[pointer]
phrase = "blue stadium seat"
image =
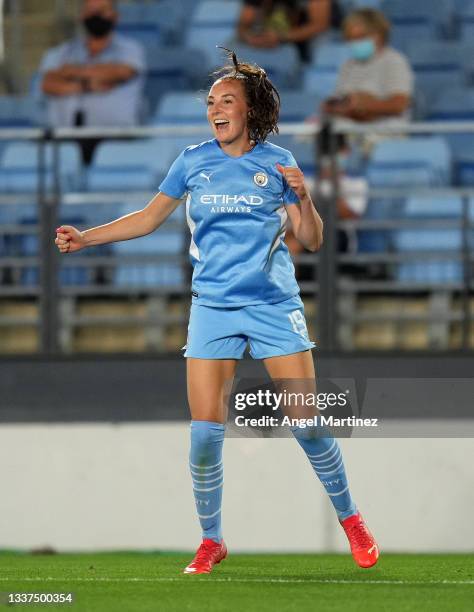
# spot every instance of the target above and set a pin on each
(19, 163)
(404, 32)
(378, 240)
(166, 17)
(349, 5)
(417, 21)
(465, 164)
(207, 39)
(453, 104)
(408, 12)
(298, 105)
(174, 69)
(441, 206)
(145, 33)
(282, 64)
(155, 274)
(330, 55)
(320, 77)
(216, 13)
(465, 20)
(320, 81)
(438, 65)
(430, 272)
(410, 162)
(19, 111)
(457, 104)
(303, 151)
(419, 239)
(129, 166)
(182, 107)
(28, 246)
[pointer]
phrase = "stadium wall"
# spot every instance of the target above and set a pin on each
(126, 486)
(93, 456)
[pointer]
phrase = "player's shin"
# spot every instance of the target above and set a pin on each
(205, 462)
(325, 456)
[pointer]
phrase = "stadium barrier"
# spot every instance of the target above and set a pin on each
(330, 293)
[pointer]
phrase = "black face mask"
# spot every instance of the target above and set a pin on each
(98, 26)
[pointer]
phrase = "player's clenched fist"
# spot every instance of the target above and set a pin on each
(295, 179)
(69, 239)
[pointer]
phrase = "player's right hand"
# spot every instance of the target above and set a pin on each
(69, 239)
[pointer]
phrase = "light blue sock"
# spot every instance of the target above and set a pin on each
(205, 463)
(325, 456)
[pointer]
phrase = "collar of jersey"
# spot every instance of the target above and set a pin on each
(240, 156)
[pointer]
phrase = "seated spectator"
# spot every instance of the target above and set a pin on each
(377, 83)
(269, 23)
(95, 79)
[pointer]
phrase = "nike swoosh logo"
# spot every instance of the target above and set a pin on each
(372, 548)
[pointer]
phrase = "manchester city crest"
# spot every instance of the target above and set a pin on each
(260, 179)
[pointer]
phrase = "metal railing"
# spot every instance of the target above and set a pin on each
(326, 287)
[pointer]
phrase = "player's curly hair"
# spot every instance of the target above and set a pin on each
(263, 98)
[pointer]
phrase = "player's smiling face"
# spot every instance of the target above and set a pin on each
(227, 111)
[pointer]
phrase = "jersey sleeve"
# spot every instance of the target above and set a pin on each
(175, 183)
(289, 196)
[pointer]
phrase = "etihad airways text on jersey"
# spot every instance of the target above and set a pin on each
(250, 200)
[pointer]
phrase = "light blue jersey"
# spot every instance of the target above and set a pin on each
(236, 213)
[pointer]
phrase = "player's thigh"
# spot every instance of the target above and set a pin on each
(207, 380)
(294, 377)
(297, 365)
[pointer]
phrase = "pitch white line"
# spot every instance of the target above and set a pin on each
(262, 580)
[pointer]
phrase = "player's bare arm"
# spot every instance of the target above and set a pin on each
(140, 223)
(305, 220)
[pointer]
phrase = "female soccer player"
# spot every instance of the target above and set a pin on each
(241, 191)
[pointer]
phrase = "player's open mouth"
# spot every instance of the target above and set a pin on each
(221, 124)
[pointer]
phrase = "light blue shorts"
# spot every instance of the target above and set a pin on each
(270, 330)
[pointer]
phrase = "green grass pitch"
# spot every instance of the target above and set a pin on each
(145, 582)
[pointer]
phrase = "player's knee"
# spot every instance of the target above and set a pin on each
(206, 433)
(311, 432)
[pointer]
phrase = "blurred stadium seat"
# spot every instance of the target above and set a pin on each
(155, 274)
(281, 64)
(173, 69)
(19, 166)
(128, 166)
(216, 13)
(18, 111)
(438, 65)
(423, 239)
(298, 105)
(181, 107)
(208, 39)
(402, 162)
(320, 77)
(465, 20)
(28, 246)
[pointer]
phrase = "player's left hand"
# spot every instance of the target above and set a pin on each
(295, 179)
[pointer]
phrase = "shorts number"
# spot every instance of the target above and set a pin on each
(298, 323)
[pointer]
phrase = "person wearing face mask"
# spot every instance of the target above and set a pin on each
(95, 79)
(377, 82)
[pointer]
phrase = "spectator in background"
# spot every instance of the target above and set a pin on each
(377, 83)
(353, 192)
(95, 79)
(269, 23)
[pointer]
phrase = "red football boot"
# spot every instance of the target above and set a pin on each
(208, 554)
(363, 545)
